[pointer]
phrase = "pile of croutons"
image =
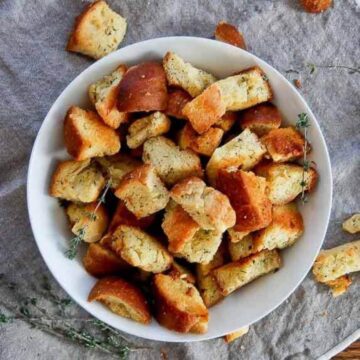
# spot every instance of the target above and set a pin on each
(202, 186)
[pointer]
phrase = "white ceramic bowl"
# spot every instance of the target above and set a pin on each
(49, 224)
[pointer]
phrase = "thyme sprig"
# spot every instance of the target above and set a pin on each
(351, 70)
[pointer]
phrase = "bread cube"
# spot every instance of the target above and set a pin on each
(227, 121)
(229, 34)
(182, 74)
(236, 236)
(352, 225)
(339, 286)
(177, 99)
(77, 181)
(98, 31)
(242, 248)
(142, 191)
(86, 136)
(178, 305)
(177, 270)
(171, 163)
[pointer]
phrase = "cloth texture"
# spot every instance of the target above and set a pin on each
(35, 68)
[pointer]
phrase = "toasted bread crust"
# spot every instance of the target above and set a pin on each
(228, 338)
(177, 99)
(230, 34)
(227, 121)
(315, 6)
(178, 271)
(352, 224)
(339, 286)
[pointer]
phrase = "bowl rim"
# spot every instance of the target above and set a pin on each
(199, 40)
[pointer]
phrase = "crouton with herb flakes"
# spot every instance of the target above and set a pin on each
(340, 285)
(352, 225)
(241, 248)
(177, 99)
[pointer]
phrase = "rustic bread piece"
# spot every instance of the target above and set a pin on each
(228, 33)
(177, 270)
(208, 207)
(236, 236)
(284, 144)
(242, 248)
(238, 92)
(204, 144)
(91, 220)
(140, 249)
(182, 74)
(315, 6)
(77, 181)
(339, 286)
(100, 261)
(333, 263)
(285, 228)
(86, 136)
(244, 151)
(171, 163)
(122, 298)
(103, 95)
(284, 181)
(143, 88)
(147, 127)
(177, 99)
(261, 118)
(117, 166)
(236, 334)
(352, 225)
(227, 121)
(98, 31)
(142, 191)
(232, 276)
(247, 194)
(178, 226)
(178, 305)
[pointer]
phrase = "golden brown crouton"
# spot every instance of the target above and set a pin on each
(241, 248)
(236, 334)
(178, 305)
(315, 6)
(98, 31)
(238, 92)
(142, 191)
(232, 276)
(236, 236)
(177, 270)
(140, 249)
(230, 34)
(91, 220)
(284, 144)
(122, 298)
(333, 263)
(77, 181)
(147, 127)
(247, 194)
(261, 118)
(285, 228)
(285, 181)
(171, 163)
(340, 285)
(227, 121)
(117, 166)
(177, 99)
(244, 151)
(352, 225)
(86, 136)
(182, 74)
(208, 207)
(204, 144)
(103, 95)
(143, 88)
(101, 261)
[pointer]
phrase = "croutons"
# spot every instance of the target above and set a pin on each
(77, 181)
(101, 261)
(242, 248)
(103, 95)
(171, 163)
(86, 221)
(208, 207)
(182, 74)
(285, 228)
(352, 225)
(261, 118)
(122, 298)
(143, 88)
(285, 181)
(142, 191)
(86, 136)
(227, 121)
(140, 249)
(204, 144)
(117, 166)
(147, 127)
(339, 286)
(178, 305)
(284, 144)
(238, 92)
(236, 236)
(98, 31)
(236, 334)
(177, 99)
(232, 276)
(244, 151)
(247, 194)
(334, 263)
(315, 6)
(230, 34)
(177, 270)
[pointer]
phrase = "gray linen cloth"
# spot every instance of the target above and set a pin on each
(35, 68)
